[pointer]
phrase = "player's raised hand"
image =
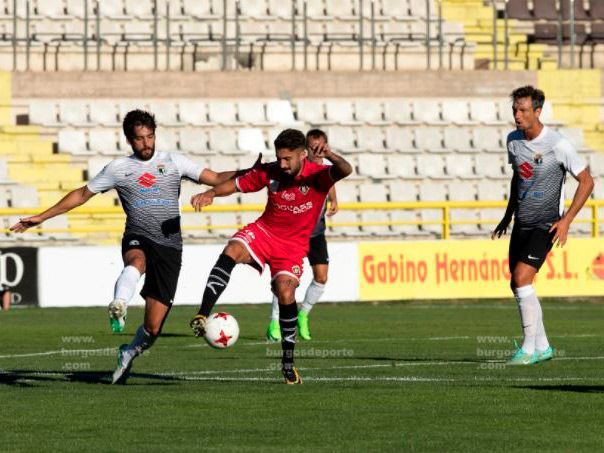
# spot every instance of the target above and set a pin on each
(320, 151)
(501, 229)
(26, 223)
(561, 232)
(201, 200)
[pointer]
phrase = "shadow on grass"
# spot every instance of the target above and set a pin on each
(566, 388)
(415, 359)
(28, 378)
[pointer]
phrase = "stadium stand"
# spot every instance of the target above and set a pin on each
(190, 35)
(450, 149)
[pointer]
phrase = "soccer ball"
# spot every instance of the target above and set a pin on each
(222, 330)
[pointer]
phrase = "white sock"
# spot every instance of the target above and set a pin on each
(313, 294)
(126, 284)
(275, 309)
(541, 342)
(529, 307)
(141, 342)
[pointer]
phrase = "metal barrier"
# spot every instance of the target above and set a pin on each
(445, 208)
(299, 39)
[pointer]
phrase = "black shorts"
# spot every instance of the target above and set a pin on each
(162, 267)
(529, 246)
(317, 250)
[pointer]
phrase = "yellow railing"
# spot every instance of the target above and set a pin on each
(444, 206)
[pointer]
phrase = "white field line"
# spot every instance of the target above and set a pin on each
(65, 352)
(68, 352)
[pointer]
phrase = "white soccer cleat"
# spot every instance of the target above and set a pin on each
(124, 363)
(117, 315)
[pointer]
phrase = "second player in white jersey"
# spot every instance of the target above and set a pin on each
(541, 159)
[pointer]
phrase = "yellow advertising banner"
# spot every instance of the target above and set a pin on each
(473, 269)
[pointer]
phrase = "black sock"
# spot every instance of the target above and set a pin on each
(217, 283)
(288, 320)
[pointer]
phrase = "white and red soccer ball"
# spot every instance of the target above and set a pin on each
(222, 330)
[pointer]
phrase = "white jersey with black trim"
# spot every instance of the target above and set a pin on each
(541, 165)
(149, 192)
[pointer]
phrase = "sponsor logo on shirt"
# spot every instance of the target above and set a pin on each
(154, 202)
(526, 170)
(288, 196)
(146, 180)
(300, 209)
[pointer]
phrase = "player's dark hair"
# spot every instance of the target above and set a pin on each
(316, 133)
(290, 139)
(537, 96)
(137, 118)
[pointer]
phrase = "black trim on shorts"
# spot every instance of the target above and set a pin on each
(162, 267)
(529, 245)
(317, 250)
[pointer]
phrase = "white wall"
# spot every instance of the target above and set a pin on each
(85, 276)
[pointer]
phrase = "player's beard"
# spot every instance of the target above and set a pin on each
(145, 153)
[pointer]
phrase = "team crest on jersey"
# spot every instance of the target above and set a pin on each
(304, 189)
(296, 270)
(538, 158)
(273, 185)
(161, 168)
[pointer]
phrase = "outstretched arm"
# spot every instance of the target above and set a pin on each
(509, 212)
(70, 201)
(584, 189)
(212, 178)
(206, 198)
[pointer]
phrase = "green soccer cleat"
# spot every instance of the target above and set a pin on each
(198, 324)
(522, 358)
(273, 331)
(542, 356)
(124, 363)
(291, 375)
(303, 327)
(117, 315)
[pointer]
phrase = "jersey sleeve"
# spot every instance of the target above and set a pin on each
(254, 180)
(510, 149)
(186, 167)
(105, 180)
(323, 179)
(568, 156)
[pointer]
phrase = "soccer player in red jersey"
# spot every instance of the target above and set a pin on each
(297, 189)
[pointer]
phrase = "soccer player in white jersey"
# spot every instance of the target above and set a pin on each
(148, 185)
(540, 158)
(318, 256)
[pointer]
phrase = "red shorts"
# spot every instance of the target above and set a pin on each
(282, 257)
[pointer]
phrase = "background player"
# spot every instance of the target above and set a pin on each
(297, 189)
(318, 257)
(5, 296)
(148, 184)
(540, 158)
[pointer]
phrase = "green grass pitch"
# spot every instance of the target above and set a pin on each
(377, 377)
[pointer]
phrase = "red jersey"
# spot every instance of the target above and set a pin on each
(294, 204)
